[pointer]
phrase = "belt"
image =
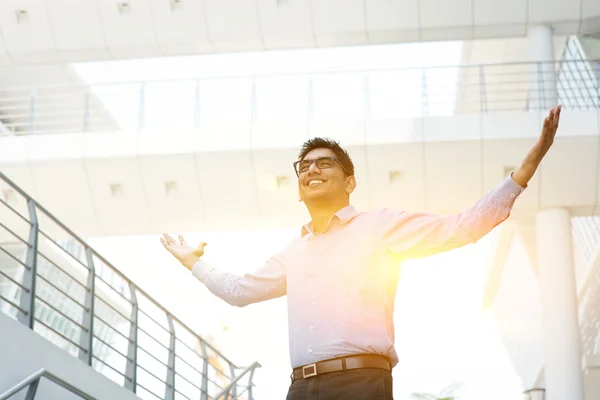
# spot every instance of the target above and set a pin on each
(342, 364)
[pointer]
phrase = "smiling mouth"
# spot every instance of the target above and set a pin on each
(315, 182)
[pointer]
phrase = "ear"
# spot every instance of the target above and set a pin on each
(350, 184)
(300, 196)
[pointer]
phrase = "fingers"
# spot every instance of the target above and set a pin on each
(181, 240)
(557, 115)
(169, 239)
(164, 242)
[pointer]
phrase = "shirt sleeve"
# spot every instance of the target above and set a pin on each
(267, 282)
(414, 235)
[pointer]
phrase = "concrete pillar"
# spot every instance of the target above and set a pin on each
(540, 44)
(562, 344)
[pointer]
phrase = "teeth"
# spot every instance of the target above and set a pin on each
(315, 182)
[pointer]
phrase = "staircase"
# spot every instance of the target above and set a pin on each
(52, 282)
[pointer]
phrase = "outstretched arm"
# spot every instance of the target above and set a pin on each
(534, 156)
(263, 284)
(414, 235)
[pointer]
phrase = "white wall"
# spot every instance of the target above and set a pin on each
(23, 352)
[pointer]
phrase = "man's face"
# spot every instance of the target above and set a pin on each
(327, 183)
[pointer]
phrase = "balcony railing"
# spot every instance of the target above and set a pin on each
(57, 285)
(300, 98)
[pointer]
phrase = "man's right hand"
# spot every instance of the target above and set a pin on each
(182, 251)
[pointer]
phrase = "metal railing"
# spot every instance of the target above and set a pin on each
(586, 232)
(300, 97)
(57, 285)
(32, 382)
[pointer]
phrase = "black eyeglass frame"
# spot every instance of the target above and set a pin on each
(315, 160)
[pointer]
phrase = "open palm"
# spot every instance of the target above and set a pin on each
(183, 252)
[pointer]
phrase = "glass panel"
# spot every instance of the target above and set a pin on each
(339, 96)
(114, 106)
(282, 99)
(170, 104)
(395, 94)
(226, 101)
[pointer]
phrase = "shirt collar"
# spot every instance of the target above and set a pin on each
(343, 216)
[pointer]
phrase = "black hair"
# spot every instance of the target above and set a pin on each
(323, 143)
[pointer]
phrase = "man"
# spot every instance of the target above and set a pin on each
(341, 274)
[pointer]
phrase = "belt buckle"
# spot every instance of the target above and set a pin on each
(308, 375)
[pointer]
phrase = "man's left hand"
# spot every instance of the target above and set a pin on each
(534, 157)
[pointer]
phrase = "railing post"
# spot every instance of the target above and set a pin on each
(170, 384)
(32, 110)
(367, 102)
(29, 277)
(32, 389)
(482, 91)
(197, 110)
(250, 384)
(86, 109)
(424, 98)
(234, 387)
(541, 103)
(204, 385)
(597, 64)
(131, 370)
(311, 108)
(142, 106)
(86, 340)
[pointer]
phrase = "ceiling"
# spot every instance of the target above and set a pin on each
(63, 31)
(106, 184)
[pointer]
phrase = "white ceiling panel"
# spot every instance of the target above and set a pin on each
(286, 24)
(445, 14)
(441, 34)
(339, 22)
(34, 33)
(234, 24)
(62, 188)
(119, 195)
(277, 188)
(493, 12)
(76, 24)
(503, 31)
(228, 187)
(173, 192)
(590, 8)
(453, 175)
(581, 156)
(133, 27)
(387, 15)
(391, 15)
(397, 176)
(550, 11)
(185, 25)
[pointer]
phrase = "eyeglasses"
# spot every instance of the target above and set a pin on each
(302, 166)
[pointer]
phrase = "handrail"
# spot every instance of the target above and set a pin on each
(301, 73)
(33, 381)
(480, 88)
(225, 391)
(94, 343)
(100, 257)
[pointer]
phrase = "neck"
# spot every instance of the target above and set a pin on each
(321, 214)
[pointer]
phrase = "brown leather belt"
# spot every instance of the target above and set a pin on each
(342, 364)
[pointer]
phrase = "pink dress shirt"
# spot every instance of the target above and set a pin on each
(341, 284)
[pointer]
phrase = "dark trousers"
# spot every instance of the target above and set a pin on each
(359, 384)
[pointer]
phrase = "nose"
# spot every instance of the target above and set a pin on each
(313, 167)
